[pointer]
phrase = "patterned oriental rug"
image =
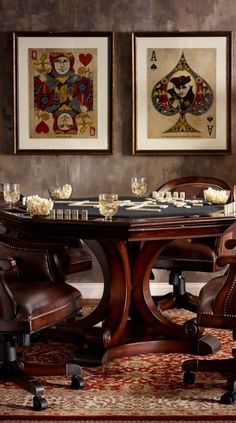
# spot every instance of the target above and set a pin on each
(142, 388)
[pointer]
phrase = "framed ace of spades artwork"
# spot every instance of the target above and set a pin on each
(62, 92)
(181, 93)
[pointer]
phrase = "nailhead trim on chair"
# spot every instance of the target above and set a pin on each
(197, 183)
(206, 313)
(2, 308)
(197, 260)
(229, 294)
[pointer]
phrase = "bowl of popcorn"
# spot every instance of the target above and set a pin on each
(62, 192)
(216, 196)
(38, 206)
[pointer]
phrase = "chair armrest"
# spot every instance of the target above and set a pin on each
(225, 260)
(230, 243)
(7, 264)
(8, 272)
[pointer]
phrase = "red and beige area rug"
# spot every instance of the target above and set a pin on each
(142, 388)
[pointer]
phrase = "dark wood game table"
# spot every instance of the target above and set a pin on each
(127, 321)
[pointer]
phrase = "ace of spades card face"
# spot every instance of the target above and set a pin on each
(181, 90)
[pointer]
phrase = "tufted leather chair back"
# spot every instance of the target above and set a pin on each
(39, 261)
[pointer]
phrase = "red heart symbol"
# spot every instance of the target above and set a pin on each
(42, 127)
(85, 58)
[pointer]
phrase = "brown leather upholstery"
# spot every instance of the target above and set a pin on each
(75, 259)
(217, 309)
(33, 296)
(189, 254)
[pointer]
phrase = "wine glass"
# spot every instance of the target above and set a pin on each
(108, 206)
(234, 193)
(139, 185)
(11, 193)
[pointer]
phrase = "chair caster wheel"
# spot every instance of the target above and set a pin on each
(189, 378)
(77, 382)
(227, 398)
(39, 403)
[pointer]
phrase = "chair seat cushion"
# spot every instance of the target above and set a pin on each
(75, 259)
(40, 304)
(187, 255)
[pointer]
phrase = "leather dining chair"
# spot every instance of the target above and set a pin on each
(188, 254)
(217, 309)
(33, 297)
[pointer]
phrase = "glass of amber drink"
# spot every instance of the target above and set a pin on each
(108, 206)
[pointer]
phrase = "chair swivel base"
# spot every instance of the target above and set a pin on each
(179, 298)
(224, 366)
(186, 301)
(18, 373)
(14, 371)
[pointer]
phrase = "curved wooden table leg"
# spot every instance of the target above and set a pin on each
(105, 324)
(177, 337)
(120, 298)
(116, 300)
(100, 311)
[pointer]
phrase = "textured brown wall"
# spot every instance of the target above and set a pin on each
(92, 174)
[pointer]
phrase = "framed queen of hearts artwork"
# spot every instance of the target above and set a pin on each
(62, 93)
